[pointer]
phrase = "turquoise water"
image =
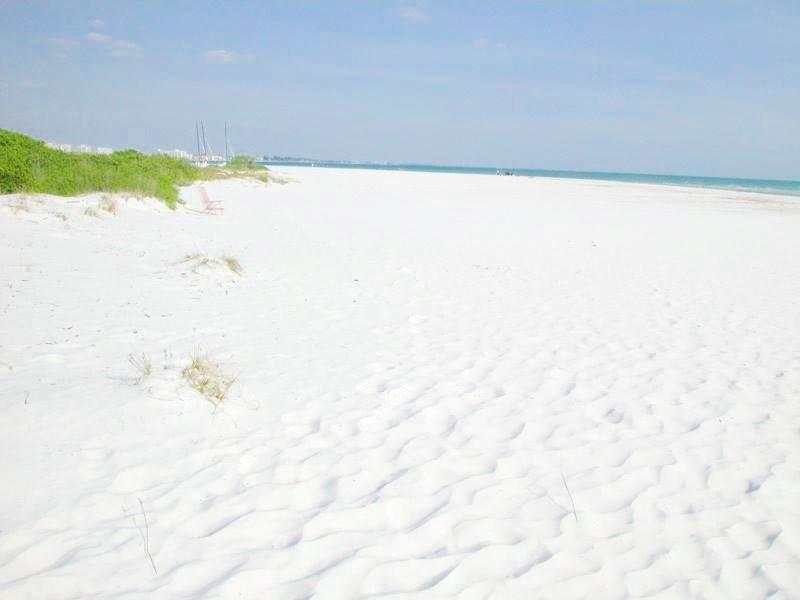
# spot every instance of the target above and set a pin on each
(771, 186)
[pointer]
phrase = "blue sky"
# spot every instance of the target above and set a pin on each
(701, 87)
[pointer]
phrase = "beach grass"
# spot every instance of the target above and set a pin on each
(108, 204)
(233, 264)
(28, 165)
(232, 171)
(143, 366)
(200, 260)
(206, 377)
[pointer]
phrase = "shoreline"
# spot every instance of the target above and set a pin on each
(663, 191)
(737, 185)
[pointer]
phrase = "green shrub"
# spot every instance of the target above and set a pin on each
(27, 165)
(242, 162)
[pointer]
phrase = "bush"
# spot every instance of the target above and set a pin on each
(27, 165)
(242, 162)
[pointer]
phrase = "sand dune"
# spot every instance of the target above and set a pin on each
(447, 386)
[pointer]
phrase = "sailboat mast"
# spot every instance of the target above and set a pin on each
(226, 141)
(197, 134)
(206, 146)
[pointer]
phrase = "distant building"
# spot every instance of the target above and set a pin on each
(62, 147)
(81, 148)
(206, 158)
(181, 154)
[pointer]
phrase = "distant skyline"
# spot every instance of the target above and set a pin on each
(702, 88)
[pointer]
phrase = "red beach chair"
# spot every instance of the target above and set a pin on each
(209, 205)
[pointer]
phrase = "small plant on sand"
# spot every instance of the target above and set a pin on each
(90, 212)
(241, 167)
(280, 179)
(62, 216)
(233, 264)
(201, 261)
(167, 360)
(207, 378)
(143, 366)
(108, 204)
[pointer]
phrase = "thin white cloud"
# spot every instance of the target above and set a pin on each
(98, 38)
(61, 42)
(226, 57)
(122, 49)
(125, 49)
(485, 43)
(414, 11)
(97, 24)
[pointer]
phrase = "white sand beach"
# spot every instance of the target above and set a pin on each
(446, 386)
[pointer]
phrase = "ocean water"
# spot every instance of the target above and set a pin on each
(767, 186)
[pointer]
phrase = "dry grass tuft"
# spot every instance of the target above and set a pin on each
(254, 173)
(201, 260)
(143, 365)
(90, 212)
(280, 179)
(108, 204)
(62, 216)
(233, 264)
(207, 377)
